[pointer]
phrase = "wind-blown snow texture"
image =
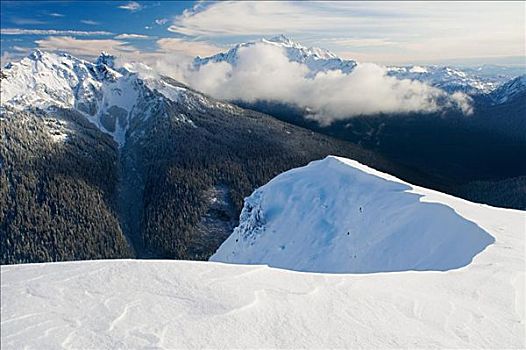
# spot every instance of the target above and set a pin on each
(178, 304)
(337, 215)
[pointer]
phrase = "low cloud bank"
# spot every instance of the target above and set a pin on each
(264, 72)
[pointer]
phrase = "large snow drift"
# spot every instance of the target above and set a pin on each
(337, 215)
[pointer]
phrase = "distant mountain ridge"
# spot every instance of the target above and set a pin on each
(318, 60)
(511, 90)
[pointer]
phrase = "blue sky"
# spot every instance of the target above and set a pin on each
(88, 16)
(382, 32)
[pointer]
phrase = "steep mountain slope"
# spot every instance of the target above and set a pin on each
(58, 179)
(177, 304)
(171, 177)
(337, 215)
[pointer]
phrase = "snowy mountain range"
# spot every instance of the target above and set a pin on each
(318, 60)
(334, 215)
(111, 98)
(446, 78)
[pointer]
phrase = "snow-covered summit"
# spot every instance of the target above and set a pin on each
(337, 215)
(315, 58)
(106, 59)
(315, 52)
(109, 98)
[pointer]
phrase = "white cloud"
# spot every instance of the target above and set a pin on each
(131, 36)
(463, 101)
(55, 14)
(161, 21)
(90, 22)
(131, 6)
(173, 57)
(84, 48)
(412, 30)
(26, 21)
(360, 42)
(239, 18)
(20, 31)
(21, 49)
(263, 72)
(190, 48)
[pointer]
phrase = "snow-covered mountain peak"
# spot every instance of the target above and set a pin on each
(281, 38)
(315, 58)
(41, 59)
(108, 98)
(106, 59)
(36, 54)
(283, 41)
(337, 215)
